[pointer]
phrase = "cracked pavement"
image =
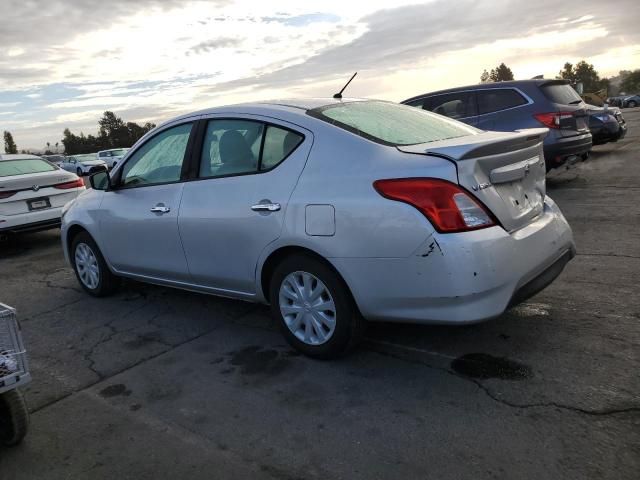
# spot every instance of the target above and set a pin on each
(158, 383)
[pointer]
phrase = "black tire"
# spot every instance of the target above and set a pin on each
(349, 326)
(107, 281)
(79, 171)
(14, 418)
(632, 104)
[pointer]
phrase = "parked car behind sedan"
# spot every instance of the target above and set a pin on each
(83, 164)
(113, 156)
(33, 192)
(509, 106)
(606, 124)
(631, 101)
(55, 159)
(332, 211)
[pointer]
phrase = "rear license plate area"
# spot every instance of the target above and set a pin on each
(39, 203)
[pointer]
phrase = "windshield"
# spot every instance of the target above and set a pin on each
(562, 94)
(9, 168)
(391, 124)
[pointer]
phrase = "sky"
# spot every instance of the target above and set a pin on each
(64, 62)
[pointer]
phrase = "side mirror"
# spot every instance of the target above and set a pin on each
(100, 180)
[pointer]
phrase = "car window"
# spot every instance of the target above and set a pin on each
(561, 93)
(231, 147)
(9, 168)
(453, 105)
(159, 160)
(416, 103)
(278, 144)
(390, 123)
(498, 99)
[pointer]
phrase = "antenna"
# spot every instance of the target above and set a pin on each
(339, 94)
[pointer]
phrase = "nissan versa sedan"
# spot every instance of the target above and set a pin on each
(33, 192)
(331, 211)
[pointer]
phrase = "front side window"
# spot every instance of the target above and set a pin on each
(498, 99)
(159, 160)
(236, 147)
(10, 168)
(391, 124)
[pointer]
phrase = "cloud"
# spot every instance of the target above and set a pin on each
(215, 44)
(302, 20)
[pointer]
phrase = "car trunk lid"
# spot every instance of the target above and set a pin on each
(504, 170)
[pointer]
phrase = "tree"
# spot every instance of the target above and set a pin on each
(501, 73)
(9, 144)
(484, 78)
(631, 83)
(582, 72)
(113, 132)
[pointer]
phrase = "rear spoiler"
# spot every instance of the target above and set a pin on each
(556, 81)
(481, 145)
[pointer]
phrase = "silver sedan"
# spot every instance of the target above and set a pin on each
(331, 211)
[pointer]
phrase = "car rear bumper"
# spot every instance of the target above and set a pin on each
(558, 149)
(32, 221)
(462, 278)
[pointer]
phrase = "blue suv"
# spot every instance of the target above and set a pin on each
(514, 105)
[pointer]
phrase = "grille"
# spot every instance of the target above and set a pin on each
(13, 358)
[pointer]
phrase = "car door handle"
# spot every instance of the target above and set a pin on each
(160, 209)
(265, 207)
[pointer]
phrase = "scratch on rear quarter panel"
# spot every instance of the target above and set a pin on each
(432, 247)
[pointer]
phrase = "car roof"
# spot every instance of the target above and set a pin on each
(294, 106)
(18, 156)
(111, 150)
(538, 82)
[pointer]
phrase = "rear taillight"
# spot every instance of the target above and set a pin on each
(552, 119)
(446, 205)
(7, 194)
(73, 184)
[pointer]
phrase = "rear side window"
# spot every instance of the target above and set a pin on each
(499, 99)
(453, 105)
(10, 168)
(391, 124)
(278, 144)
(562, 94)
(235, 147)
(416, 103)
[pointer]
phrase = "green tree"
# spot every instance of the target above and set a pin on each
(9, 144)
(631, 83)
(582, 72)
(501, 73)
(484, 78)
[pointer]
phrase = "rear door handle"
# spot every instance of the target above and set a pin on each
(160, 209)
(266, 207)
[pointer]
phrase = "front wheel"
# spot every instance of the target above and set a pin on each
(90, 267)
(632, 104)
(14, 418)
(79, 171)
(314, 308)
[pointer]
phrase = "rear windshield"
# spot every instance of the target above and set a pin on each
(9, 168)
(390, 123)
(562, 94)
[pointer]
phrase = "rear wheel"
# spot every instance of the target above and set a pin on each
(314, 308)
(14, 418)
(90, 267)
(632, 104)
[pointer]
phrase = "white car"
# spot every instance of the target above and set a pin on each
(83, 164)
(33, 192)
(113, 156)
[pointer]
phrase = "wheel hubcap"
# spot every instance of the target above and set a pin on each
(87, 266)
(307, 308)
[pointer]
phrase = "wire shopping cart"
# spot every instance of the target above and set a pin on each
(14, 373)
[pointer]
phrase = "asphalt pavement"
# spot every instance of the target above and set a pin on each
(156, 383)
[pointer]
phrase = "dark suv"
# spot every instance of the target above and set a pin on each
(508, 106)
